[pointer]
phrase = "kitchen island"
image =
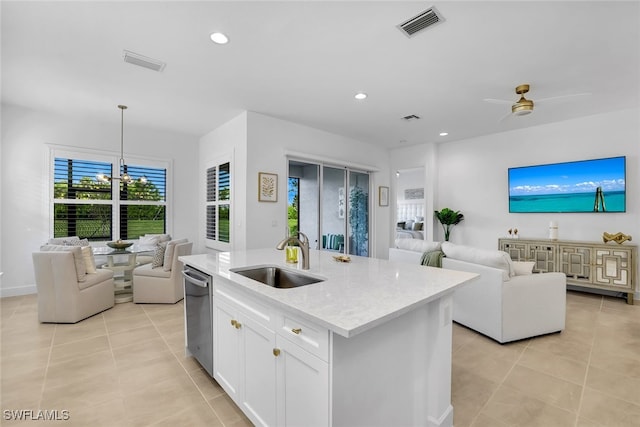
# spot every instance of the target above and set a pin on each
(370, 344)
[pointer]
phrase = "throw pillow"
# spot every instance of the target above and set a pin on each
(158, 255)
(417, 226)
(400, 225)
(149, 240)
(89, 261)
(78, 260)
(168, 255)
(523, 268)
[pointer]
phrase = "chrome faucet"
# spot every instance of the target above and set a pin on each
(304, 247)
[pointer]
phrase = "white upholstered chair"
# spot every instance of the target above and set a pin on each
(156, 285)
(65, 295)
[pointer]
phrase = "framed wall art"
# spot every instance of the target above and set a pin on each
(267, 187)
(383, 196)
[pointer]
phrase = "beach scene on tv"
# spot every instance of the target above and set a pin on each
(581, 186)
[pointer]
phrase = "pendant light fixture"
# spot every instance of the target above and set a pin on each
(125, 178)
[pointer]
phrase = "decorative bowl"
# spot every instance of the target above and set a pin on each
(119, 244)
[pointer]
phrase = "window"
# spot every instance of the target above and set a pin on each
(86, 207)
(218, 206)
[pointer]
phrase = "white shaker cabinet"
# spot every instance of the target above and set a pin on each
(302, 385)
(244, 363)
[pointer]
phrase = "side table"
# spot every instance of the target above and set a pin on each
(122, 275)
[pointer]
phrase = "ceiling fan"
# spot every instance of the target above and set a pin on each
(525, 106)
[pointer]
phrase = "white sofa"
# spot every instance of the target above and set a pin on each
(507, 303)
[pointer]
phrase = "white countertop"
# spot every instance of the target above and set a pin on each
(355, 296)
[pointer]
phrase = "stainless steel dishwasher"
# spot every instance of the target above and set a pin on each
(198, 308)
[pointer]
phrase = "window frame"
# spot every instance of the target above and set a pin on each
(92, 155)
(215, 243)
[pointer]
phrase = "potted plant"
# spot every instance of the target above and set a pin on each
(448, 218)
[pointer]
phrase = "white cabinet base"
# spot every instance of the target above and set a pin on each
(396, 374)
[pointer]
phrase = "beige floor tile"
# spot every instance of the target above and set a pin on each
(563, 346)
(469, 393)
(169, 327)
(25, 363)
(78, 349)
(87, 328)
(515, 408)
(584, 298)
(160, 400)
(544, 387)
(226, 410)
(134, 321)
(79, 370)
(123, 310)
(189, 363)
(175, 341)
(484, 420)
(151, 371)
(557, 366)
(617, 385)
(139, 353)
(133, 336)
(198, 414)
(491, 366)
(605, 410)
(613, 359)
(107, 414)
(208, 387)
(77, 395)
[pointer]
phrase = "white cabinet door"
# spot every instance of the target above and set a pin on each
(226, 360)
(303, 386)
(259, 373)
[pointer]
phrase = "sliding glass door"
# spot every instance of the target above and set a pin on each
(330, 205)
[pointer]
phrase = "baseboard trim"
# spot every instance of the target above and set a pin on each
(21, 290)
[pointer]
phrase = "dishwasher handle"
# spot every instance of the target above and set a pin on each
(198, 281)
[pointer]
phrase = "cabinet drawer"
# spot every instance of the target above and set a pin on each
(258, 311)
(305, 334)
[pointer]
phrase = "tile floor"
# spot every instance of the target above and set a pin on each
(125, 367)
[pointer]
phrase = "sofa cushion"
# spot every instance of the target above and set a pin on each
(89, 261)
(150, 271)
(78, 259)
(487, 257)
(417, 245)
(168, 255)
(523, 268)
(95, 278)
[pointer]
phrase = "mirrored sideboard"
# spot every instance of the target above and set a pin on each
(595, 265)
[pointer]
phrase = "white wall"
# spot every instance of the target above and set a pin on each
(24, 179)
(472, 177)
(267, 141)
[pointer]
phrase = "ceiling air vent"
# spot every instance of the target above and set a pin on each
(411, 117)
(421, 21)
(142, 61)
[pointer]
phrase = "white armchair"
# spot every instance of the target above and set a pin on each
(68, 295)
(161, 284)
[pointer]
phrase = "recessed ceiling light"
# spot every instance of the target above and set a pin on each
(444, 133)
(219, 38)
(361, 95)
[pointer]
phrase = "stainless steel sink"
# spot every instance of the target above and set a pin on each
(277, 277)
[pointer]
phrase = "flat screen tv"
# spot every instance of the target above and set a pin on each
(582, 186)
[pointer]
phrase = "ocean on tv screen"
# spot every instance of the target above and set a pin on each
(572, 202)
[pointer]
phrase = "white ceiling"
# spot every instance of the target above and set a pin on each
(304, 61)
